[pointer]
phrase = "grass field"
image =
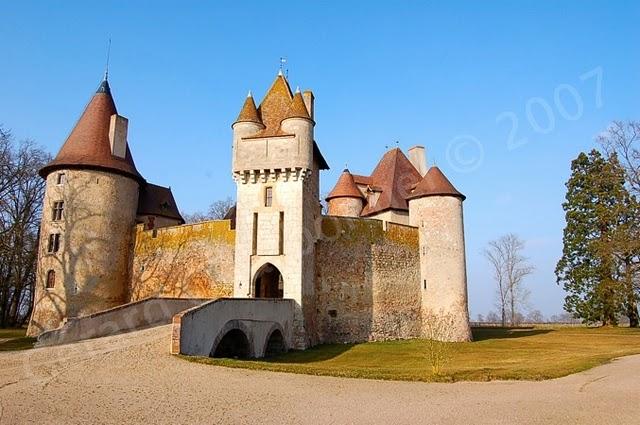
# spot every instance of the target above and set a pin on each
(15, 339)
(496, 353)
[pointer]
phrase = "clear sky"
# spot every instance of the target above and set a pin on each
(503, 94)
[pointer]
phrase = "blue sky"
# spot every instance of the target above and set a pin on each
(502, 94)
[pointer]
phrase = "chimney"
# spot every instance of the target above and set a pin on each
(308, 101)
(118, 135)
(418, 159)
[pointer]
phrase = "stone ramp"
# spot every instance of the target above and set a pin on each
(235, 327)
(127, 317)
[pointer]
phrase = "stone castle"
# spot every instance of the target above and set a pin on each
(387, 261)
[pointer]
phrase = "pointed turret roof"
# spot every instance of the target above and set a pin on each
(298, 109)
(88, 143)
(435, 183)
(345, 187)
(249, 112)
(393, 177)
(275, 106)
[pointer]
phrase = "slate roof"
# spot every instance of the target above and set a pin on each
(158, 201)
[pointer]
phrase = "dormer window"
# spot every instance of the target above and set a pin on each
(58, 208)
(268, 196)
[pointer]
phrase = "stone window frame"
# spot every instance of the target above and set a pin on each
(54, 243)
(57, 211)
(50, 282)
(268, 196)
(61, 178)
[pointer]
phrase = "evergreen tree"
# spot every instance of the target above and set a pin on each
(598, 268)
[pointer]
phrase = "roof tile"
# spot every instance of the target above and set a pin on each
(88, 144)
(435, 183)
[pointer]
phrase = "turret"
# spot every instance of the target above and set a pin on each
(298, 121)
(345, 199)
(89, 212)
(248, 122)
(435, 207)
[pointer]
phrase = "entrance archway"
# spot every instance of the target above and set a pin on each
(234, 344)
(268, 282)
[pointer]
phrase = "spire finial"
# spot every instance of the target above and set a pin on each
(283, 60)
(106, 68)
(297, 89)
(249, 94)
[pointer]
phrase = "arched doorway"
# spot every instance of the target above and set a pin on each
(234, 344)
(275, 344)
(268, 282)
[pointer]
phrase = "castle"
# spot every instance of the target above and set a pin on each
(387, 261)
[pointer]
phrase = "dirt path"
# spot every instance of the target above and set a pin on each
(132, 379)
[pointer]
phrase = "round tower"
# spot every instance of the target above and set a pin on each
(345, 200)
(435, 207)
(88, 215)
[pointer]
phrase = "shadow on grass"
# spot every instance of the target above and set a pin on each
(483, 334)
(315, 354)
(16, 344)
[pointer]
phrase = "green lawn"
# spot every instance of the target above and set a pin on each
(16, 340)
(529, 354)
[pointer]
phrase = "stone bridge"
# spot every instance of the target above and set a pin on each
(234, 327)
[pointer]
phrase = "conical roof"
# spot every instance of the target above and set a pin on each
(435, 183)
(88, 144)
(345, 187)
(298, 109)
(249, 112)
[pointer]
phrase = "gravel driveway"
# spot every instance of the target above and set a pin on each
(131, 378)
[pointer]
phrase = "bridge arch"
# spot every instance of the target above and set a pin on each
(235, 340)
(275, 342)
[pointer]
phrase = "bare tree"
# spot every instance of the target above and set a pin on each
(438, 331)
(623, 140)
(510, 268)
(21, 191)
(217, 211)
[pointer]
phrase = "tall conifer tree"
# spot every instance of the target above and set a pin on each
(600, 251)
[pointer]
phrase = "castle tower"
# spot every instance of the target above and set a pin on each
(435, 207)
(276, 165)
(88, 215)
(345, 199)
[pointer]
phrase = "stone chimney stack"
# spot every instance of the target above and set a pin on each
(308, 102)
(118, 128)
(418, 159)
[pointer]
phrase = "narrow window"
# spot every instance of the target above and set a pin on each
(281, 232)
(425, 283)
(254, 241)
(54, 243)
(51, 279)
(61, 178)
(58, 208)
(268, 196)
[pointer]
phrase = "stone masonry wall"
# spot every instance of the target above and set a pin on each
(188, 261)
(367, 281)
